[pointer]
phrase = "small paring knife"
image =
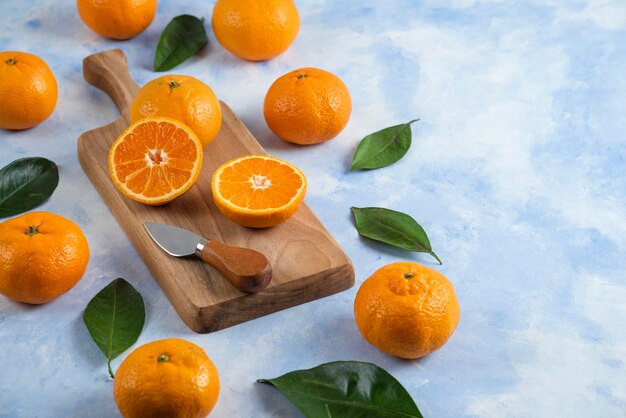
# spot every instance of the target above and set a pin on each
(248, 270)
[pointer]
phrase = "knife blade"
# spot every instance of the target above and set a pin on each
(248, 270)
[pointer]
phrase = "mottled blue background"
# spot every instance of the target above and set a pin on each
(516, 172)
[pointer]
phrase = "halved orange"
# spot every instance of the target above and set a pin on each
(155, 160)
(258, 191)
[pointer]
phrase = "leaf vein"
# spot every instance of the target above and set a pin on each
(112, 323)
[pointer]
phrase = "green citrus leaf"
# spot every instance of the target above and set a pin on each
(346, 389)
(180, 40)
(393, 228)
(383, 148)
(25, 184)
(115, 318)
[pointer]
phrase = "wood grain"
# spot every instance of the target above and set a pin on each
(306, 260)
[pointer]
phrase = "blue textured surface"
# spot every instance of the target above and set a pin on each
(516, 172)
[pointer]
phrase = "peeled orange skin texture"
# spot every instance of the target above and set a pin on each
(170, 378)
(155, 160)
(39, 265)
(255, 30)
(407, 310)
(28, 90)
(183, 98)
(307, 106)
(258, 191)
(117, 19)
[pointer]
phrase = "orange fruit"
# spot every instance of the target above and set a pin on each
(406, 310)
(255, 30)
(170, 378)
(258, 191)
(155, 160)
(42, 256)
(183, 98)
(28, 90)
(117, 19)
(307, 106)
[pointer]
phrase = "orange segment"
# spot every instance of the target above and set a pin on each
(155, 160)
(257, 190)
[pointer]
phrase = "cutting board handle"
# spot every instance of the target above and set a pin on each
(108, 70)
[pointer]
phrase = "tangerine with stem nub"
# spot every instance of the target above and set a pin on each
(166, 378)
(307, 106)
(42, 256)
(28, 90)
(406, 309)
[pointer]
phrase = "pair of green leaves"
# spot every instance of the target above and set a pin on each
(25, 184)
(377, 150)
(115, 318)
(347, 389)
(180, 40)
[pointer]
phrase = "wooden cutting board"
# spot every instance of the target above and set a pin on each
(307, 262)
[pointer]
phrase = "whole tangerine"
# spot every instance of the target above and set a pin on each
(183, 98)
(117, 19)
(307, 106)
(42, 256)
(28, 90)
(171, 378)
(255, 30)
(407, 310)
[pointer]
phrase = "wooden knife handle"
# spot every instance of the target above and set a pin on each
(248, 270)
(109, 71)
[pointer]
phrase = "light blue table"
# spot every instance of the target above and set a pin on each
(516, 172)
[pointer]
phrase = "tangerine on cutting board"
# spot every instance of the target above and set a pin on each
(117, 19)
(258, 191)
(28, 90)
(307, 106)
(155, 160)
(170, 378)
(42, 256)
(183, 98)
(255, 30)
(406, 309)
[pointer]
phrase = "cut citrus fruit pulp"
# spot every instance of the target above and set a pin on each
(155, 160)
(258, 191)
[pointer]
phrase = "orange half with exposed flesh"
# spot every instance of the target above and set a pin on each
(258, 191)
(155, 160)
